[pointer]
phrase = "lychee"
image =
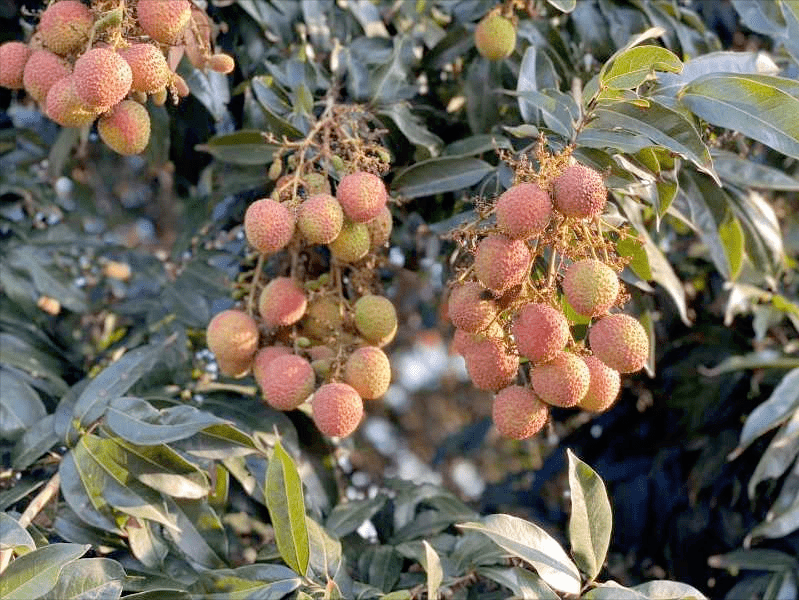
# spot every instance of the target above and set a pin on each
(65, 26)
(362, 196)
(287, 381)
(322, 358)
(501, 263)
(264, 356)
(380, 228)
(282, 302)
(591, 287)
(563, 381)
(164, 20)
(518, 413)
(63, 106)
(376, 319)
(368, 371)
(337, 409)
(463, 341)
(580, 192)
(42, 69)
(125, 128)
(13, 56)
(540, 332)
(320, 219)
(323, 317)
(222, 63)
(150, 70)
(489, 364)
(352, 242)
(269, 225)
(470, 307)
(523, 211)
(232, 335)
(603, 388)
(102, 78)
(621, 342)
(495, 37)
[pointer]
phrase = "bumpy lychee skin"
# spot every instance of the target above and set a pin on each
(469, 308)
(380, 228)
(65, 26)
(376, 319)
(102, 78)
(563, 381)
(352, 242)
(42, 70)
(501, 263)
(323, 318)
(518, 413)
(603, 388)
(489, 364)
(464, 342)
(368, 371)
(125, 128)
(268, 225)
(164, 20)
(591, 287)
(523, 211)
(495, 37)
(287, 381)
(150, 70)
(13, 56)
(320, 219)
(264, 357)
(282, 302)
(541, 331)
(579, 192)
(620, 342)
(362, 196)
(337, 409)
(65, 108)
(232, 336)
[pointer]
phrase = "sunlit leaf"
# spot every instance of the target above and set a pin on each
(783, 401)
(89, 579)
(13, 536)
(669, 590)
(438, 175)
(199, 534)
(432, 566)
(634, 66)
(591, 520)
(36, 573)
(20, 406)
(523, 583)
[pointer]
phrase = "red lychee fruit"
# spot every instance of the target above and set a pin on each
(579, 192)
(563, 381)
(282, 302)
(540, 332)
(604, 387)
(376, 319)
(501, 263)
(320, 219)
(150, 70)
(125, 128)
(42, 70)
(65, 26)
(268, 225)
(523, 211)
(518, 413)
(337, 409)
(102, 78)
(65, 108)
(287, 381)
(164, 20)
(13, 56)
(469, 308)
(591, 287)
(380, 228)
(264, 356)
(368, 371)
(621, 342)
(232, 335)
(362, 196)
(489, 364)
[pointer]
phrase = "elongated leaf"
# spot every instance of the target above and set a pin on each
(84, 496)
(761, 229)
(783, 401)
(89, 579)
(348, 516)
(13, 536)
(532, 544)
(200, 534)
(146, 544)
(325, 558)
(746, 173)
(555, 109)
(34, 442)
(244, 147)
(564, 5)
(284, 499)
(669, 590)
(439, 175)
(382, 565)
(36, 573)
(779, 456)
(218, 442)
(670, 84)
(591, 519)
(412, 127)
(20, 406)
(610, 590)
(432, 566)
(251, 582)
(759, 559)
(634, 66)
(523, 583)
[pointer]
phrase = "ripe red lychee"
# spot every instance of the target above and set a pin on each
(501, 263)
(463, 341)
(470, 307)
(563, 381)
(164, 20)
(323, 318)
(13, 56)
(621, 342)
(320, 219)
(269, 225)
(603, 388)
(65, 26)
(148, 66)
(495, 37)
(368, 371)
(337, 409)
(264, 356)
(232, 335)
(591, 287)
(352, 242)
(540, 332)
(380, 228)
(580, 192)
(65, 108)
(518, 413)
(102, 78)
(489, 364)
(42, 70)
(362, 196)
(523, 211)
(282, 302)
(376, 319)
(125, 128)
(287, 381)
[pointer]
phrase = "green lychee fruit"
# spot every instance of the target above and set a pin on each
(579, 192)
(102, 78)
(376, 319)
(621, 342)
(63, 106)
(337, 409)
(380, 228)
(591, 287)
(282, 302)
(501, 263)
(268, 225)
(65, 26)
(362, 196)
(603, 388)
(518, 413)
(323, 318)
(495, 37)
(232, 335)
(320, 219)
(563, 381)
(316, 183)
(470, 307)
(489, 364)
(125, 128)
(540, 332)
(523, 211)
(150, 70)
(164, 20)
(287, 381)
(13, 56)
(42, 69)
(368, 371)
(352, 242)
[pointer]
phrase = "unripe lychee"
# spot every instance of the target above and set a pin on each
(523, 211)
(591, 287)
(164, 20)
(323, 317)
(380, 228)
(316, 183)
(125, 128)
(320, 219)
(603, 388)
(376, 319)
(150, 70)
(65, 26)
(282, 302)
(489, 364)
(222, 63)
(580, 192)
(518, 413)
(495, 37)
(232, 336)
(42, 70)
(337, 409)
(368, 371)
(102, 78)
(470, 307)
(540, 332)
(287, 381)
(65, 108)
(268, 225)
(352, 242)
(500, 262)
(322, 358)
(362, 196)
(13, 56)
(620, 342)
(563, 381)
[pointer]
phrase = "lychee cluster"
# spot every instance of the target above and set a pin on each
(85, 63)
(540, 269)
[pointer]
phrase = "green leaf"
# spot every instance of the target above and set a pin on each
(669, 590)
(746, 173)
(20, 406)
(532, 544)
(764, 243)
(523, 583)
(244, 147)
(557, 109)
(18, 353)
(250, 582)
(732, 237)
(713, 63)
(591, 519)
(759, 559)
(632, 248)
(200, 534)
(324, 554)
(439, 175)
(13, 536)
(36, 573)
(477, 144)
(34, 442)
(145, 543)
(636, 65)
(218, 442)
(432, 566)
(761, 107)
(564, 5)
(382, 565)
(784, 400)
(610, 590)
(348, 516)
(412, 126)
(89, 579)
(286, 506)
